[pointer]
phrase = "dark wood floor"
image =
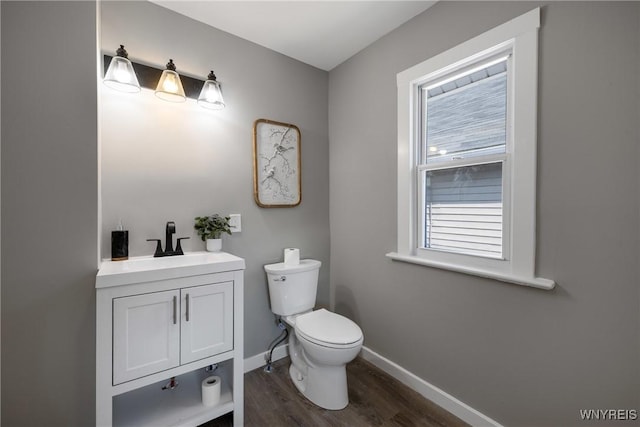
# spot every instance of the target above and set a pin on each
(375, 399)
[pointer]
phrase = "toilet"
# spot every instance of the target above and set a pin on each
(322, 342)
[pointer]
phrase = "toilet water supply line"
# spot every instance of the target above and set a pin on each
(283, 335)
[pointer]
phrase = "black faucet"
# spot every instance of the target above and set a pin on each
(171, 229)
(168, 247)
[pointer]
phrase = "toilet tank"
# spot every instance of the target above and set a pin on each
(292, 288)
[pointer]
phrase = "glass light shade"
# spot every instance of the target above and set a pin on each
(170, 87)
(120, 75)
(211, 96)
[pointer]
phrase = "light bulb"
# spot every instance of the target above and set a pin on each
(170, 84)
(121, 73)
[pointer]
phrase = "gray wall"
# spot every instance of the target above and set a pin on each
(519, 355)
(0, 220)
(49, 225)
(163, 161)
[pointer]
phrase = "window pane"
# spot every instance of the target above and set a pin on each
(466, 116)
(463, 210)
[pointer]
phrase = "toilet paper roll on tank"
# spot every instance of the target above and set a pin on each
(291, 256)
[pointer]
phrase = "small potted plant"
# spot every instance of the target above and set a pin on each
(210, 229)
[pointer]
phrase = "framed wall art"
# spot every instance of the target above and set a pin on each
(276, 164)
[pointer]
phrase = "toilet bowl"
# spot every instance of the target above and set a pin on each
(321, 343)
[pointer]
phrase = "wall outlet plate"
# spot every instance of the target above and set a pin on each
(235, 223)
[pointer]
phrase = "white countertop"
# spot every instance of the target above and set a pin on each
(147, 268)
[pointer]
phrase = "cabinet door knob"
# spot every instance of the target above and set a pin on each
(187, 310)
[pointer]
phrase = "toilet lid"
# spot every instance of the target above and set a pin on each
(327, 327)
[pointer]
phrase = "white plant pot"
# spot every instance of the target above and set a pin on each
(214, 245)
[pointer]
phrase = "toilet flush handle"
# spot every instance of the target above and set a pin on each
(280, 279)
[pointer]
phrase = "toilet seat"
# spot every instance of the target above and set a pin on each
(328, 329)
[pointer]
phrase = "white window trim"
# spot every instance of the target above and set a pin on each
(521, 35)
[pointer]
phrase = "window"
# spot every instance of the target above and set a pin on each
(462, 155)
(467, 156)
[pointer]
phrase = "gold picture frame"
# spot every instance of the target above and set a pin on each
(277, 178)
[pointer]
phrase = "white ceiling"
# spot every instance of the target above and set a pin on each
(319, 33)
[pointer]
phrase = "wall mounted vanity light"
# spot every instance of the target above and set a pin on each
(211, 94)
(170, 87)
(167, 84)
(120, 75)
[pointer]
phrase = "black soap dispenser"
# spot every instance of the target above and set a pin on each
(119, 244)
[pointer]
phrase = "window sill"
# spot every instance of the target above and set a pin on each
(535, 282)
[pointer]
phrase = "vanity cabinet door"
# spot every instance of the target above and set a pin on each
(206, 321)
(146, 334)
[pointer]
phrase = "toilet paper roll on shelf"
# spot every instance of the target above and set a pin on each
(291, 256)
(211, 391)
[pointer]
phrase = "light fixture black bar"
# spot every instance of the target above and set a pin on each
(149, 76)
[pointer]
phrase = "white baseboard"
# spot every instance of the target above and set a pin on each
(259, 360)
(431, 392)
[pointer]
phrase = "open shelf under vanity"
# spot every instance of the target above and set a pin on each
(151, 406)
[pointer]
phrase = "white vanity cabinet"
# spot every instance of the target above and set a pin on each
(161, 330)
(159, 319)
